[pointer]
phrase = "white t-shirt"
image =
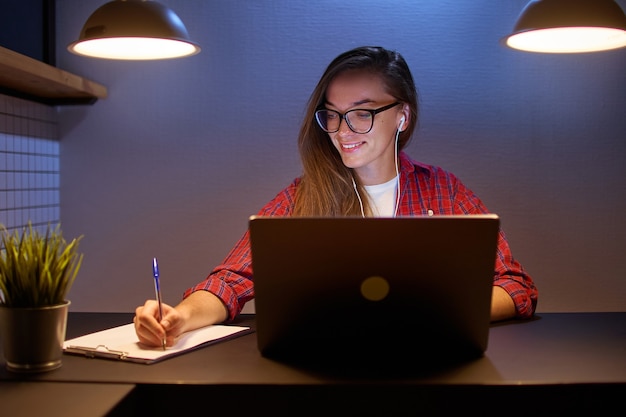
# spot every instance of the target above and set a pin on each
(384, 197)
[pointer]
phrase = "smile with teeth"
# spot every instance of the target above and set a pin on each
(349, 146)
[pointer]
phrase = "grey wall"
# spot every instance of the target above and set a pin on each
(178, 156)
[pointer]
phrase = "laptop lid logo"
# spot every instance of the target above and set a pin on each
(374, 288)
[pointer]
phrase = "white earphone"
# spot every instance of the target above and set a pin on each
(356, 190)
(402, 120)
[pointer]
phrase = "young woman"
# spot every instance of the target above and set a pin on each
(359, 118)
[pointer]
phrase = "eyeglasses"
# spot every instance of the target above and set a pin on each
(358, 120)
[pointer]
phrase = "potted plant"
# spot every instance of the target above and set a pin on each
(36, 273)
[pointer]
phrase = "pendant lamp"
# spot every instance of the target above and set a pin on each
(134, 30)
(569, 26)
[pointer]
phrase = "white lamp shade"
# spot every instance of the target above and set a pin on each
(134, 30)
(569, 26)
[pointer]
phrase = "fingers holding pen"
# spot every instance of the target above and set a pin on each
(147, 326)
(171, 324)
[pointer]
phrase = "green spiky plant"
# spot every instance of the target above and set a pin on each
(37, 270)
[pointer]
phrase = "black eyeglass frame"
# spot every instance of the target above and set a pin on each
(373, 112)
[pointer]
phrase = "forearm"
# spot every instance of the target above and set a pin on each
(201, 308)
(511, 278)
(502, 305)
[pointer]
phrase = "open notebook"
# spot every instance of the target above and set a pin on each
(121, 343)
(408, 288)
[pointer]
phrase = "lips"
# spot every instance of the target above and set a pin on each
(351, 146)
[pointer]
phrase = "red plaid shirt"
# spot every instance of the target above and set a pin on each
(424, 188)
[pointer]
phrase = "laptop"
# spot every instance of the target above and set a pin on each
(408, 289)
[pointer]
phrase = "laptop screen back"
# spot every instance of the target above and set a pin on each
(373, 287)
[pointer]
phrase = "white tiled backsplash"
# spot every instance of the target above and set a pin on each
(29, 164)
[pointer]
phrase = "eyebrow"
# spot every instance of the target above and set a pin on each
(356, 103)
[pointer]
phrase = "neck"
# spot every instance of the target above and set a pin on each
(376, 176)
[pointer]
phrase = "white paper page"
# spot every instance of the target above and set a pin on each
(124, 339)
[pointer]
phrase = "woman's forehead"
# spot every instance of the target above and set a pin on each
(356, 87)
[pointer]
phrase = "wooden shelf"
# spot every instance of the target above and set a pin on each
(28, 78)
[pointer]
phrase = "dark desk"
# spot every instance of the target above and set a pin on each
(554, 364)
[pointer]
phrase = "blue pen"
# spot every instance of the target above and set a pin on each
(157, 290)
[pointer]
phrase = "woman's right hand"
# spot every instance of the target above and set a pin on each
(150, 331)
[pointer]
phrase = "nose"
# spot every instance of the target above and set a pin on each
(343, 126)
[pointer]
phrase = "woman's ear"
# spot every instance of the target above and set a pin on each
(404, 119)
(401, 124)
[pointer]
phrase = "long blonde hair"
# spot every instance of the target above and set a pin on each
(327, 187)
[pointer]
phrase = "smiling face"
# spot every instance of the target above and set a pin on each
(372, 154)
